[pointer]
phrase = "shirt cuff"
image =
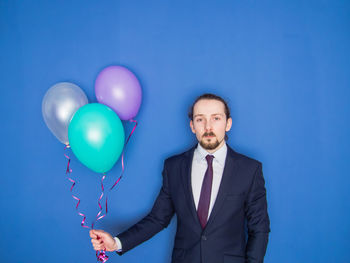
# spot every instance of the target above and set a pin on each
(119, 244)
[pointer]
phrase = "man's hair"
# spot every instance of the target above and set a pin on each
(209, 96)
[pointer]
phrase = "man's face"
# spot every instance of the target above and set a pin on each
(210, 124)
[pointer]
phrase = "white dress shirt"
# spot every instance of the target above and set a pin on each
(199, 167)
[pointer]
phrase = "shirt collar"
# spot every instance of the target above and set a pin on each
(219, 155)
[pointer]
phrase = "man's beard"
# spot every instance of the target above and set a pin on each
(209, 145)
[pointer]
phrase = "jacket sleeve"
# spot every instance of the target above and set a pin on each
(158, 219)
(258, 222)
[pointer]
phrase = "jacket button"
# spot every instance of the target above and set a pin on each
(204, 238)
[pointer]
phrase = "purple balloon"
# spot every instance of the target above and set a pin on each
(119, 89)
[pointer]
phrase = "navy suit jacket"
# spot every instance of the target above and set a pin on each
(237, 228)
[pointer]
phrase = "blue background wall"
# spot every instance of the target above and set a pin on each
(284, 67)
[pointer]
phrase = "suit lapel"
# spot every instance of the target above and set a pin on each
(186, 180)
(229, 171)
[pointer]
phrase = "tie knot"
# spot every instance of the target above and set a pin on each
(209, 159)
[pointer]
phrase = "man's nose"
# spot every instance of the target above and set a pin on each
(208, 125)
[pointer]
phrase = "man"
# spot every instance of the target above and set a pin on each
(216, 193)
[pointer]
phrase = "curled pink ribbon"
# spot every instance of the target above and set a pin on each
(99, 216)
(68, 172)
(101, 256)
(126, 142)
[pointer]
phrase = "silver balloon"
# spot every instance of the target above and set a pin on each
(59, 104)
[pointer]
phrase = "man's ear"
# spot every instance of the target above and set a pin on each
(228, 124)
(192, 128)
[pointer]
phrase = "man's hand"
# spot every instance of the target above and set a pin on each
(102, 240)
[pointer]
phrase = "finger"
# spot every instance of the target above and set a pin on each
(99, 247)
(99, 233)
(96, 242)
(96, 248)
(92, 234)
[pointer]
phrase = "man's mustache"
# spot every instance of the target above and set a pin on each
(208, 134)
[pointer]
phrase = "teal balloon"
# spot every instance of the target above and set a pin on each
(96, 136)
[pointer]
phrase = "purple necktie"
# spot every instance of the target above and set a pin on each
(204, 200)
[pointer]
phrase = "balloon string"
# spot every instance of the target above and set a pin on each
(126, 142)
(99, 216)
(100, 255)
(68, 172)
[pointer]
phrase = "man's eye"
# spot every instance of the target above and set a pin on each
(217, 118)
(198, 120)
